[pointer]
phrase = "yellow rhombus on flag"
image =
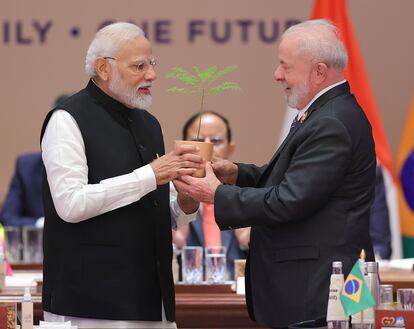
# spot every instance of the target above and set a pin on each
(355, 295)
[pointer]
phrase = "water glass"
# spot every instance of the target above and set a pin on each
(386, 298)
(239, 268)
(32, 244)
(13, 242)
(405, 299)
(192, 265)
(216, 266)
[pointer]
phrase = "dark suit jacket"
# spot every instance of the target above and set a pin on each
(308, 207)
(379, 226)
(23, 204)
(228, 239)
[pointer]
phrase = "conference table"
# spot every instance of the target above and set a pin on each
(200, 306)
(204, 306)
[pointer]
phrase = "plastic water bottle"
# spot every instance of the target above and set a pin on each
(372, 273)
(336, 317)
(27, 310)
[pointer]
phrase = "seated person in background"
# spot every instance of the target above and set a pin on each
(23, 205)
(203, 231)
(379, 223)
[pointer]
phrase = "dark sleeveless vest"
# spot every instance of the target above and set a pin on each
(116, 265)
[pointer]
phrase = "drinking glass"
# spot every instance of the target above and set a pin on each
(386, 300)
(239, 268)
(405, 299)
(13, 242)
(32, 244)
(192, 265)
(216, 266)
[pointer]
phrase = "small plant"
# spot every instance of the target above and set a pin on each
(202, 83)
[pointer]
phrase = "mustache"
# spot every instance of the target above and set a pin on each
(145, 85)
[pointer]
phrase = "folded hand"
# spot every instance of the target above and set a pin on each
(183, 160)
(199, 189)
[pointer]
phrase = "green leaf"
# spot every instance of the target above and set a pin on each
(224, 86)
(181, 91)
(207, 73)
(178, 73)
(219, 74)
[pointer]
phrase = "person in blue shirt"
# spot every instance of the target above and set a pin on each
(23, 204)
(203, 231)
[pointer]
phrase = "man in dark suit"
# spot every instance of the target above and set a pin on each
(203, 231)
(23, 204)
(310, 205)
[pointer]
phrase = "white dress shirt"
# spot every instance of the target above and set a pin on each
(63, 154)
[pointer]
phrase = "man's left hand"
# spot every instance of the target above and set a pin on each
(199, 189)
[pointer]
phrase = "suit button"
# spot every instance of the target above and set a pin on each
(129, 119)
(155, 203)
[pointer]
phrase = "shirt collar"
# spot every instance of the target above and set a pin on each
(319, 94)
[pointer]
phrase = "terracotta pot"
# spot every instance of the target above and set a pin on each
(206, 151)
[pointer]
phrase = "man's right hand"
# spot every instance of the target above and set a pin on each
(225, 170)
(183, 160)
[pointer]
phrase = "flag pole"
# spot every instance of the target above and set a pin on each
(362, 256)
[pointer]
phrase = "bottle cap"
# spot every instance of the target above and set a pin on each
(372, 267)
(337, 264)
(27, 296)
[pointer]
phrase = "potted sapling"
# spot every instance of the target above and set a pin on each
(203, 83)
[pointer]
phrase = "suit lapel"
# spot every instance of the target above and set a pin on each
(341, 89)
(319, 102)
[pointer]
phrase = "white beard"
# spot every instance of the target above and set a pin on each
(129, 95)
(296, 94)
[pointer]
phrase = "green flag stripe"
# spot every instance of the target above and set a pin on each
(365, 299)
(408, 246)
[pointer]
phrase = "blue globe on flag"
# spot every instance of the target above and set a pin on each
(352, 287)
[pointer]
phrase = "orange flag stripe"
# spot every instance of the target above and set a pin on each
(355, 73)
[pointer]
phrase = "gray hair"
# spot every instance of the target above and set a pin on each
(108, 41)
(319, 40)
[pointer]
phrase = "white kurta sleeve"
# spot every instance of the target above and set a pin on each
(63, 153)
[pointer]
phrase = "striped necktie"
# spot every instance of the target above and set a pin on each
(294, 122)
(212, 234)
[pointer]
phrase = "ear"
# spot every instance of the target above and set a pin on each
(102, 68)
(321, 70)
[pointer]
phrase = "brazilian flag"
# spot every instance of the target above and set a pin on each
(355, 295)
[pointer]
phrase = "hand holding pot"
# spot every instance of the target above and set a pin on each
(225, 170)
(183, 160)
(199, 189)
